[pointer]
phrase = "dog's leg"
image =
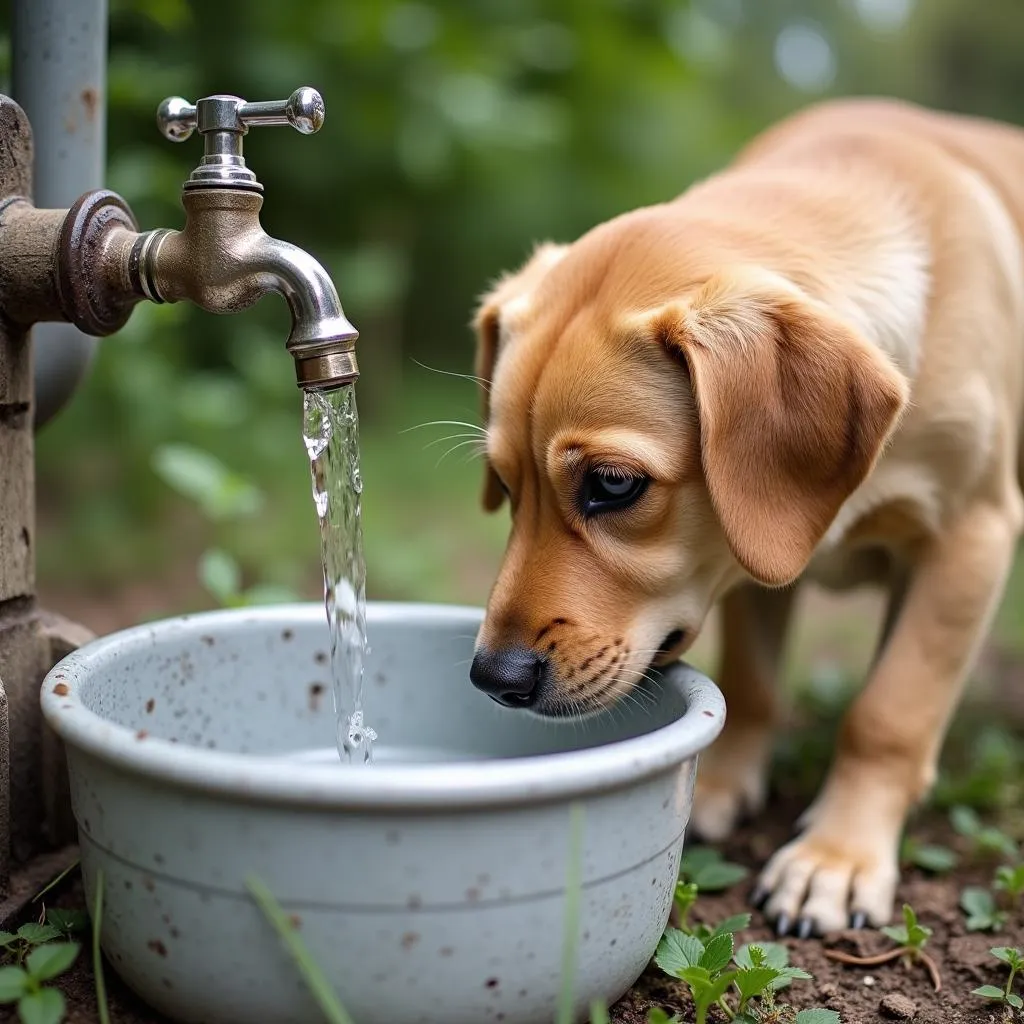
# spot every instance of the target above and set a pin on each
(845, 865)
(732, 777)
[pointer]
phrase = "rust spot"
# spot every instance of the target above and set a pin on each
(148, 884)
(294, 922)
(446, 951)
(175, 933)
(409, 939)
(492, 983)
(287, 634)
(90, 100)
(150, 704)
(472, 894)
(709, 714)
(208, 640)
(61, 689)
(141, 734)
(60, 675)
(320, 657)
(157, 947)
(316, 691)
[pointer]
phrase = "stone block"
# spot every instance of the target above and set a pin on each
(17, 506)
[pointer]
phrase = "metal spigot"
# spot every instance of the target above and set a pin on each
(90, 265)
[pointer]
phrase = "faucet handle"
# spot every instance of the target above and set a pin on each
(176, 118)
(222, 120)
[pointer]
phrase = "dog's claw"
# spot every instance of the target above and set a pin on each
(858, 919)
(757, 896)
(782, 925)
(804, 928)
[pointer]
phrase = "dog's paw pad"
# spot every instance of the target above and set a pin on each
(820, 885)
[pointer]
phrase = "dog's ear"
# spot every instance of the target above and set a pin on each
(794, 408)
(490, 336)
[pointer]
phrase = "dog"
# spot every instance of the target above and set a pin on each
(807, 366)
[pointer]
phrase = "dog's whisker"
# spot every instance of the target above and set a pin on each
(451, 437)
(479, 381)
(448, 423)
(456, 447)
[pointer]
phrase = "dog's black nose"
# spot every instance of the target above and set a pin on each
(509, 676)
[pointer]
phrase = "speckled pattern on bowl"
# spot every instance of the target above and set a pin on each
(430, 887)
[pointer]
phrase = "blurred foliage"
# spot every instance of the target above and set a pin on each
(457, 135)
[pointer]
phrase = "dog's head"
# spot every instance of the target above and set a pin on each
(661, 426)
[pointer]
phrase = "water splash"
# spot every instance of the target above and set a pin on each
(331, 432)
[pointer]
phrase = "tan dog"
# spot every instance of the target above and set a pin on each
(807, 366)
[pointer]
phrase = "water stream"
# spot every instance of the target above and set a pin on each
(330, 428)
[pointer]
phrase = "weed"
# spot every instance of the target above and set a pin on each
(97, 953)
(986, 840)
(658, 1016)
(983, 915)
(1011, 881)
(318, 985)
(938, 860)
(1014, 959)
(709, 871)
(68, 922)
(23, 983)
(684, 899)
(741, 983)
(910, 937)
(573, 892)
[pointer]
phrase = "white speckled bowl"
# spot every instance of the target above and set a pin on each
(430, 886)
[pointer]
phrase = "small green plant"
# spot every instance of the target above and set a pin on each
(655, 1015)
(709, 871)
(1010, 880)
(983, 914)
(1014, 959)
(685, 897)
(19, 944)
(741, 983)
(986, 840)
(910, 937)
(23, 984)
(68, 922)
(931, 857)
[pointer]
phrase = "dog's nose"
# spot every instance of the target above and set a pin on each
(510, 676)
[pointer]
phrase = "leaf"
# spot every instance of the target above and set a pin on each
(677, 951)
(1008, 954)
(38, 933)
(817, 1016)
(937, 859)
(716, 877)
(774, 953)
(43, 1007)
(752, 981)
(733, 924)
(717, 953)
(6, 938)
(47, 961)
(1010, 879)
(656, 1015)
(980, 907)
(988, 992)
(599, 1013)
(195, 474)
(965, 820)
(220, 574)
(1015, 1000)
(13, 982)
(897, 933)
(696, 858)
(68, 921)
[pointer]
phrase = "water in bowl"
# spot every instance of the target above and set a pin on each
(331, 433)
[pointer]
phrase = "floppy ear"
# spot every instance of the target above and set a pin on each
(487, 325)
(794, 408)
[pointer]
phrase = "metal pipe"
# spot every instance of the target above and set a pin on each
(59, 77)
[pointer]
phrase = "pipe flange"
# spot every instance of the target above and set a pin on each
(93, 294)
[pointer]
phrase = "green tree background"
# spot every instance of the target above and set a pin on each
(457, 135)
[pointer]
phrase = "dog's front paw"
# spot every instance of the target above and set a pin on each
(822, 882)
(732, 783)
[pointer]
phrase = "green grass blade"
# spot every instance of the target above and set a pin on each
(319, 986)
(56, 881)
(97, 953)
(573, 892)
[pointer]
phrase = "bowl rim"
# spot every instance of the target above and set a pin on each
(522, 780)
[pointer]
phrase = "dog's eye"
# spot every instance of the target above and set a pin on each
(605, 490)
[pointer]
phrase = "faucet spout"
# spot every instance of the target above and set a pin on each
(223, 261)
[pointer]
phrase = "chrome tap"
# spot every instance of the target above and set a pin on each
(90, 264)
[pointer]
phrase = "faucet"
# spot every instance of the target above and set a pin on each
(90, 264)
